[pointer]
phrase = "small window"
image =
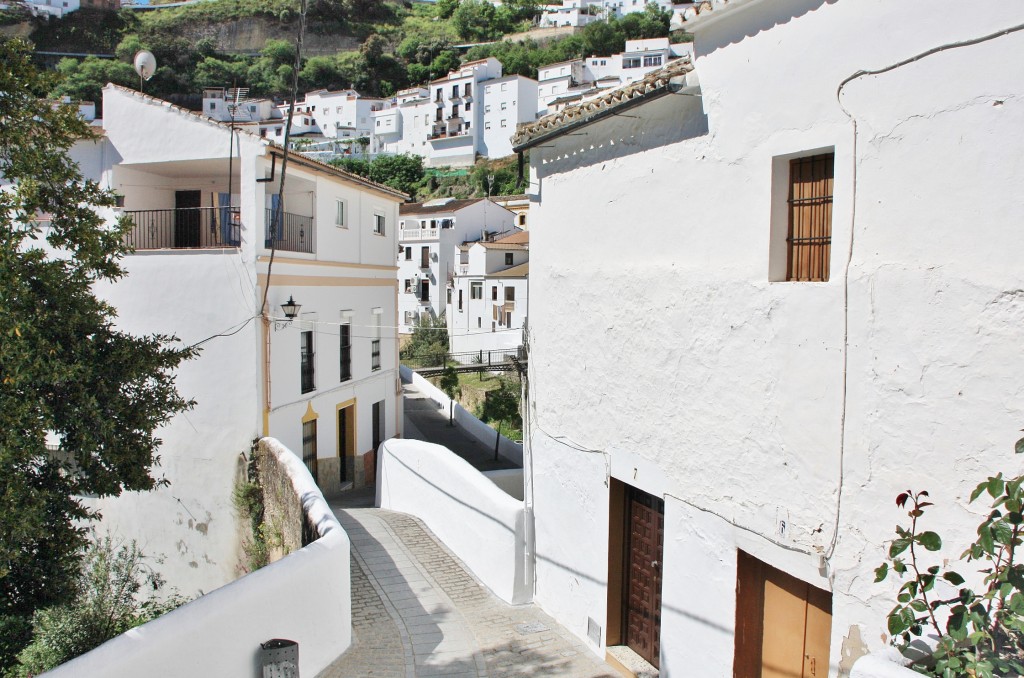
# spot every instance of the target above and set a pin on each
(508, 258)
(378, 224)
(306, 362)
(476, 290)
(460, 301)
(809, 234)
(494, 292)
(345, 332)
(504, 86)
(339, 214)
(375, 341)
(487, 125)
(487, 108)
(408, 284)
(213, 105)
(503, 123)
(522, 220)
(504, 105)
(408, 253)
(632, 62)
(469, 89)
(652, 60)
(510, 294)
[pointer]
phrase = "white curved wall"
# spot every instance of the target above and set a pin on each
(304, 597)
(474, 518)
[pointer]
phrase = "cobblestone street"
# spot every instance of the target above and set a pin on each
(417, 612)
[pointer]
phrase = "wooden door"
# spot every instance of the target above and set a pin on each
(645, 524)
(186, 218)
(783, 624)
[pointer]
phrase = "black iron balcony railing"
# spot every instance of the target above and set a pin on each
(290, 232)
(184, 228)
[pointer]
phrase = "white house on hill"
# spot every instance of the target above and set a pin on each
(487, 303)
(769, 291)
(324, 382)
(428, 235)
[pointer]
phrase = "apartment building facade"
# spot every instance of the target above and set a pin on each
(214, 237)
(428, 235)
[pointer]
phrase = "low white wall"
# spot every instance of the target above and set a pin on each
(885, 664)
(510, 480)
(510, 450)
(478, 521)
(305, 597)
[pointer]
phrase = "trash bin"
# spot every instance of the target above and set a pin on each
(279, 658)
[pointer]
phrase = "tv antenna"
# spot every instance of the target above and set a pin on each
(235, 98)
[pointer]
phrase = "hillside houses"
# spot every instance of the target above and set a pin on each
(316, 367)
(770, 290)
(429, 234)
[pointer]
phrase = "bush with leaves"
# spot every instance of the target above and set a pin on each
(502, 406)
(428, 344)
(106, 604)
(976, 633)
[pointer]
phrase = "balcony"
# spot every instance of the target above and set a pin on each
(295, 233)
(419, 234)
(184, 228)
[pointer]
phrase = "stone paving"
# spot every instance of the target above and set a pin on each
(416, 611)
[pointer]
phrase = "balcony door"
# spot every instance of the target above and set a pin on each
(186, 218)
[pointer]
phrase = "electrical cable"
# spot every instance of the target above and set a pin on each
(849, 254)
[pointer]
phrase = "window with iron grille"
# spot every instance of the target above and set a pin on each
(306, 363)
(309, 447)
(346, 349)
(375, 343)
(809, 237)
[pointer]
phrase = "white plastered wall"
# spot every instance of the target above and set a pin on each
(709, 385)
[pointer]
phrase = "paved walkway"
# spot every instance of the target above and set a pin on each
(416, 611)
(425, 421)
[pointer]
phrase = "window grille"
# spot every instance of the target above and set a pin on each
(809, 238)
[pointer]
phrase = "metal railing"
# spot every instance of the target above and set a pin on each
(493, 357)
(184, 228)
(294, 233)
(375, 354)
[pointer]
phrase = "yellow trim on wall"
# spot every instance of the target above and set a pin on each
(326, 281)
(263, 259)
(310, 414)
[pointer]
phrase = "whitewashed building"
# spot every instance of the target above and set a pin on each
(569, 82)
(471, 112)
(488, 295)
(429, 234)
(324, 383)
(579, 13)
(769, 292)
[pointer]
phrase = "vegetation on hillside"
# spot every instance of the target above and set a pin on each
(400, 46)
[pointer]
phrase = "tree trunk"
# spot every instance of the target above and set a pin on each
(497, 440)
(451, 412)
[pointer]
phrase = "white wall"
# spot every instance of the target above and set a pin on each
(462, 508)
(708, 382)
(304, 597)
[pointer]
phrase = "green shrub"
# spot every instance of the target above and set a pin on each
(106, 604)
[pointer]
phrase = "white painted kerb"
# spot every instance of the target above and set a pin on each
(474, 518)
(304, 597)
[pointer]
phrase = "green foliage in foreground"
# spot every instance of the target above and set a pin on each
(428, 346)
(402, 172)
(66, 372)
(106, 604)
(980, 632)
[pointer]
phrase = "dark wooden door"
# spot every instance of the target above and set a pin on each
(645, 526)
(186, 218)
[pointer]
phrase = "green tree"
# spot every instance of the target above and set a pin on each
(428, 344)
(65, 371)
(501, 405)
(653, 22)
(403, 171)
(476, 20)
(450, 385)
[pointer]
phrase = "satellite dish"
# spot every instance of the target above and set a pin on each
(145, 64)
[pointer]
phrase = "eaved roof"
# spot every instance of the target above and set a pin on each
(272, 146)
(655, 84)
(520, 271)
(436, 206)
(498, 245)
(519, 238)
